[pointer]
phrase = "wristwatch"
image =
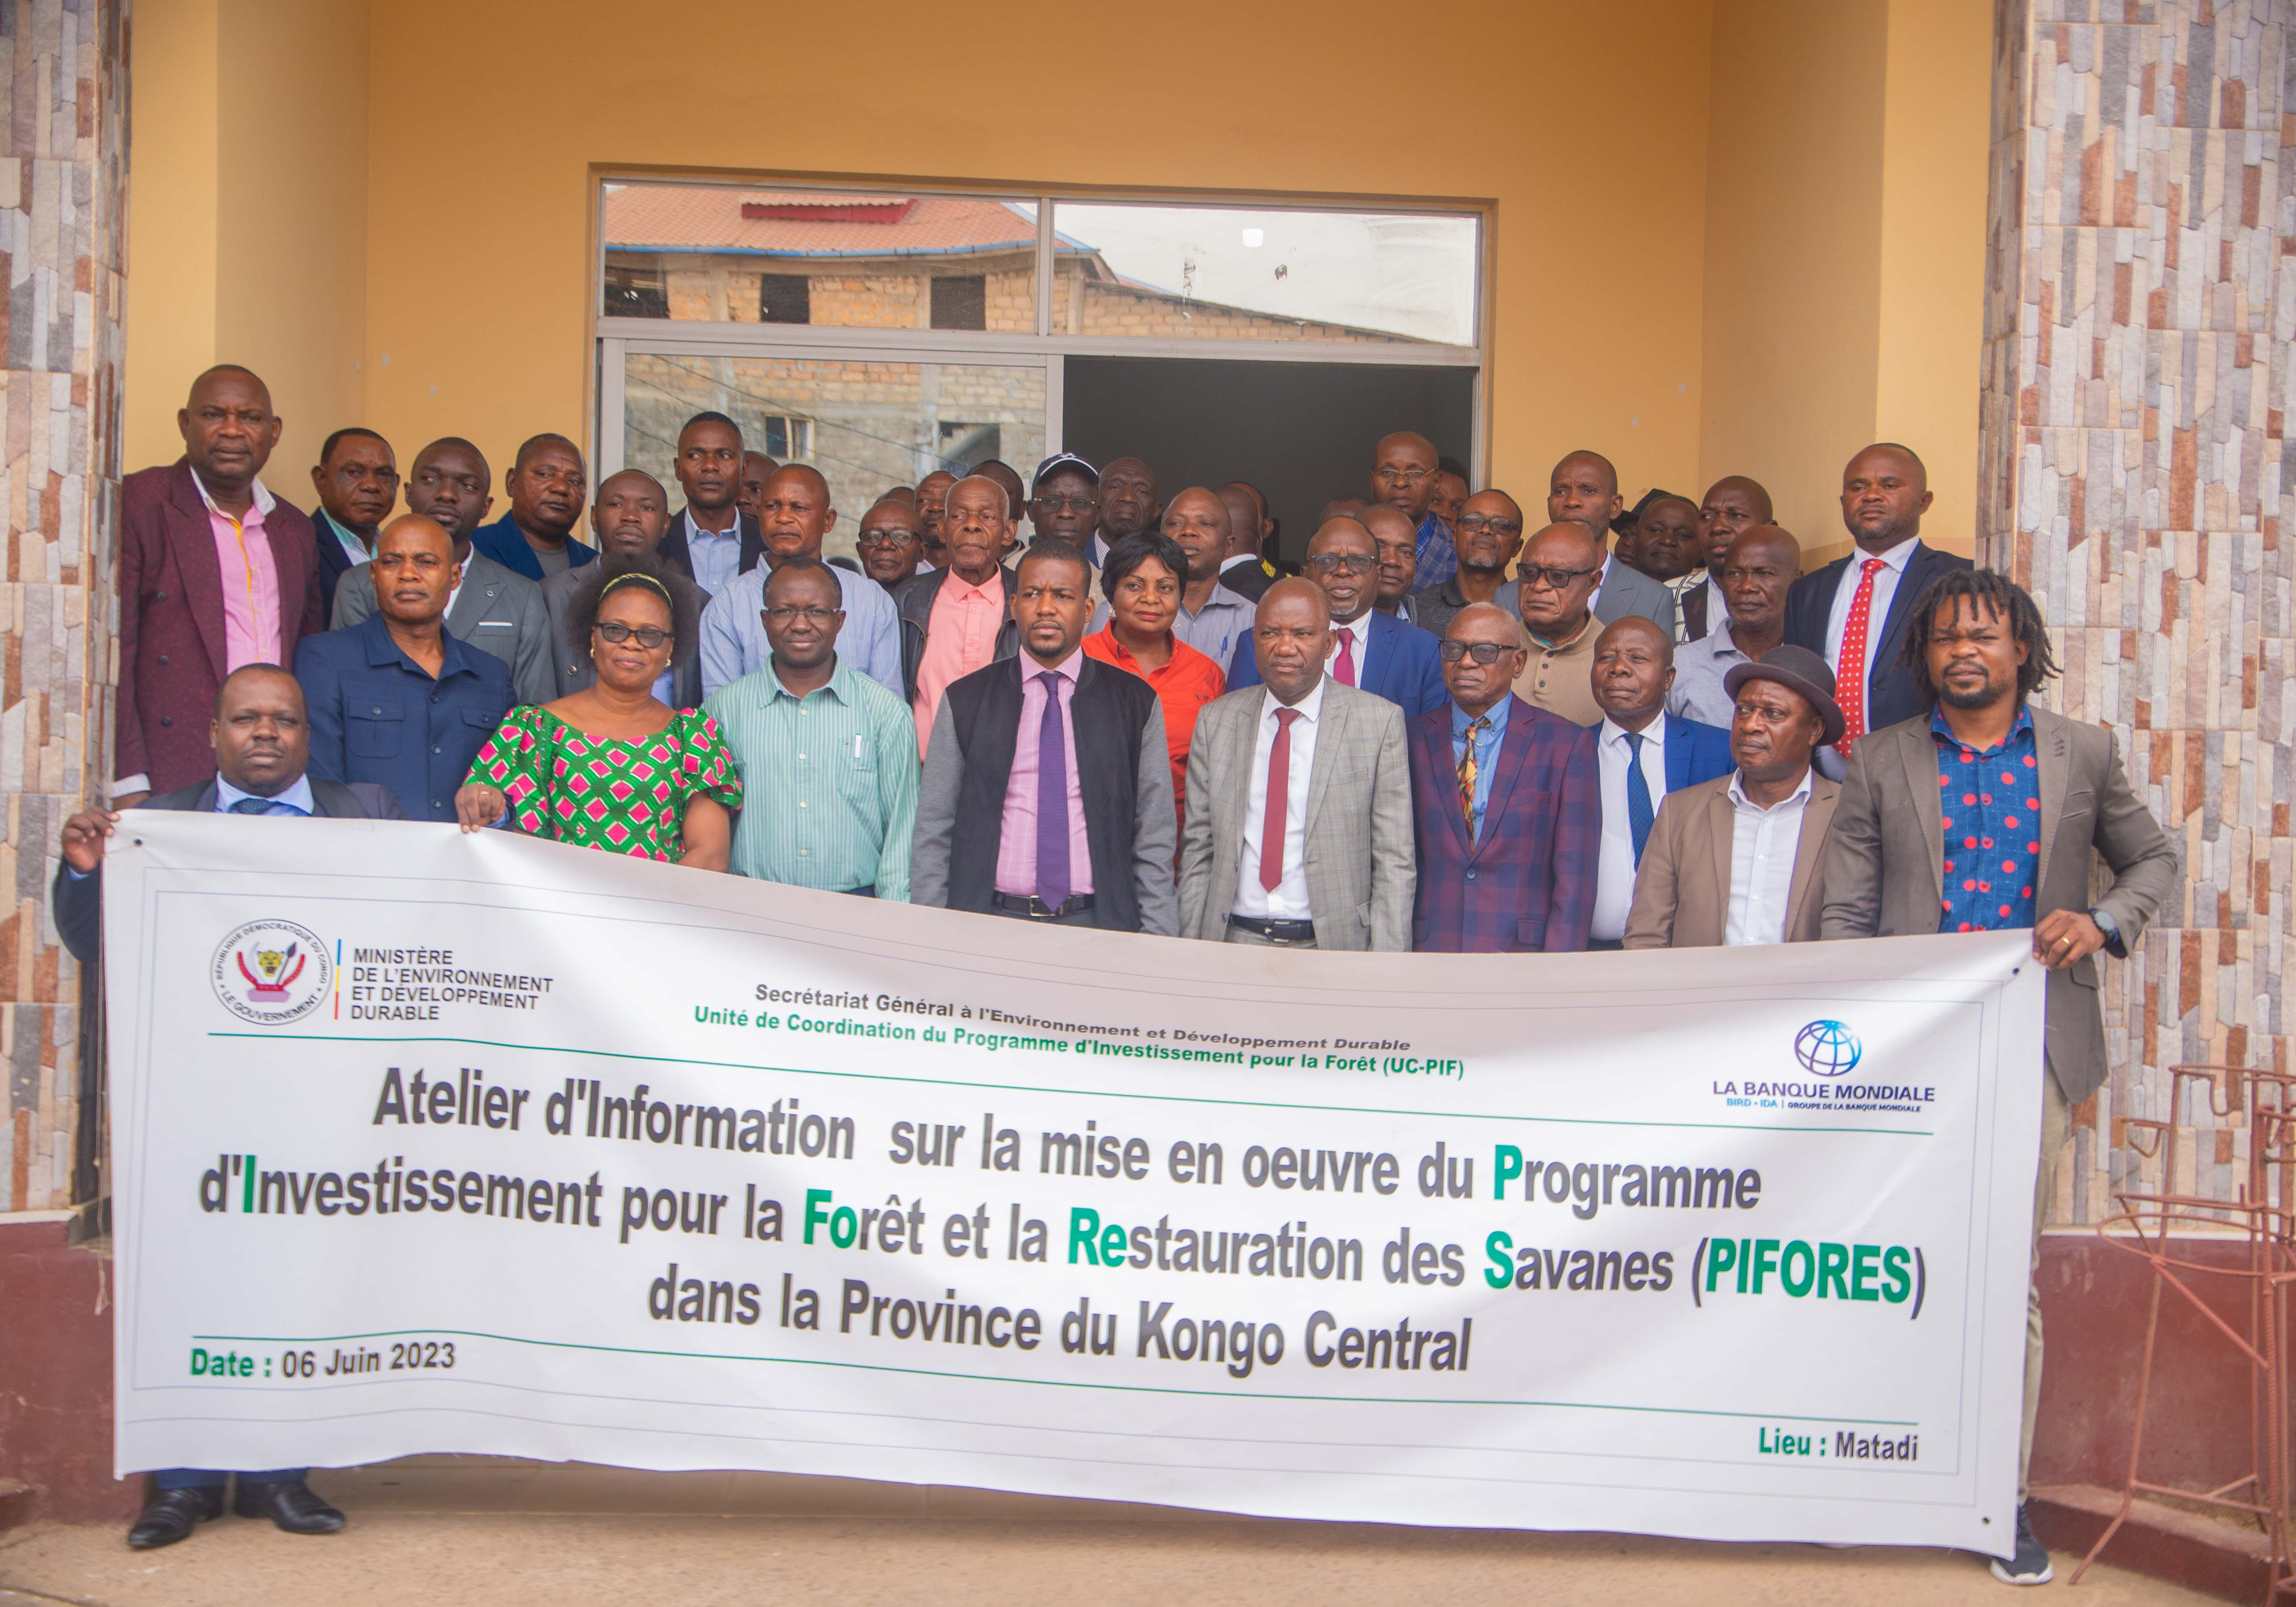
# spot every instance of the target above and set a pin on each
(2111, 928)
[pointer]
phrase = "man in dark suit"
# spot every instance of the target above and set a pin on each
(1048, 787)
(1372, 651)
(1243, 570)
(1854, 611)
(357, 480)
(259, 739)
(545, 485)
(1508, 812)
(1642, 754)
(188, 616)
(712, 539)
(1977, 764)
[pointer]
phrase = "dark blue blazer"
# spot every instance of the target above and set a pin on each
(1406, 666)
(334, 562)
(503, 542)
(1694, 752)
(378, 717)
(1893, 696)
(1526, 883)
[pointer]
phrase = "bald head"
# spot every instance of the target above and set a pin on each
(1731, 506)
(631, 512)
(414, 532)
(1756, 573)
(1242, 520)
(1633, 670)
(1290, 638)
(1885, 490)
(1486, 632)
(1557, 576)
(229, 431)
(1403, 473)
(1198, 519)
(1584, 486)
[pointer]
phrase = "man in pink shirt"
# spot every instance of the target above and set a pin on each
(957, 620)
(215, 574)
(1047, 793)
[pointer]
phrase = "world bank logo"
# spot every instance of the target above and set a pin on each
(1827, 1049)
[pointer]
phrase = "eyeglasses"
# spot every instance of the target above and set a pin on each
(882, 538)
(1341, 563)
(1399, 477)
(782, 613)
(648, 636)
(1484, 652)
(1560, 580)
(1068, 505)
(1468, 524)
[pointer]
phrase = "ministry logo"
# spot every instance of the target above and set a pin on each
(1827, 1049)
(272, 972)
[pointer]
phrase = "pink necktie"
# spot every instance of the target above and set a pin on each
(1344, 671)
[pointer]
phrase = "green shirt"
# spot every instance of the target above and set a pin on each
(832, 782)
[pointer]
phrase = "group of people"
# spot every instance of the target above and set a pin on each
(1075, 701)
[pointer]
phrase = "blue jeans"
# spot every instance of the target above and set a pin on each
(211, 1478)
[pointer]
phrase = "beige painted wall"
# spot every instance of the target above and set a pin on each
(248, 216)
(1844, 288)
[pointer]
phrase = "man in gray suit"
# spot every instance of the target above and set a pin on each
(1298, 829)
(1986, 814)
(492, 609)
(630, 516)
(1585, 487)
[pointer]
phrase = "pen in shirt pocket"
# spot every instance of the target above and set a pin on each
(859, 750)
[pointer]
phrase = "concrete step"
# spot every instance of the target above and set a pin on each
(2209, 1554)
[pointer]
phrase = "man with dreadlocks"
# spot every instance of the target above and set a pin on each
(1984, 814)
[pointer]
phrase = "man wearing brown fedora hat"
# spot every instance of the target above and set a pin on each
(1735, 860)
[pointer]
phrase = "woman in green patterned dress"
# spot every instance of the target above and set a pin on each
(613, 766)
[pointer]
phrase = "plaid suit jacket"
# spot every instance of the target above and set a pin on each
(1527, 882)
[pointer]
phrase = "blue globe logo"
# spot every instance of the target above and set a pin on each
(1827, 1049)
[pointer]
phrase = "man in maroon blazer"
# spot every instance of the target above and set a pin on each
(214, 572)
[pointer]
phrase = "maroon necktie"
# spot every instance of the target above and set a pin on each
(1279, 785)
(1344, 670)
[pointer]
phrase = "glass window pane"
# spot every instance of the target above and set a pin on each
(1235, 273)
(720, 253)
(867, 426)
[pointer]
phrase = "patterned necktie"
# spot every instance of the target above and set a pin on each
(1052, 798)
(1640, 815)
(1468, 770)
(1849, 675)
(252, 805)
(1279, 787)
(1343, 670)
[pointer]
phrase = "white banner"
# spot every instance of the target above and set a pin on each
(430, 1143)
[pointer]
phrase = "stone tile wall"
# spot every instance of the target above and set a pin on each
(2140, 310)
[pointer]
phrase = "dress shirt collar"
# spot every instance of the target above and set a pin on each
(993, 589)
(381, 651)
(1897, 557)
(1943, 732)
(1068, 669)
(840, 684)
(1799, 795)
(1310, 707)
(295, 797)
(1612, 735)
(1359, 627)
(694, 530)
(264, 501)
(1124, 659)
(349, 542)
(1227, 565)
(1496, 714)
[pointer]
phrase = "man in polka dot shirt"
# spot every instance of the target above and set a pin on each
(1986, 814)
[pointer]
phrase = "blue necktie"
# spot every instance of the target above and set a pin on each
(1640, 815)
(253, 805)
(1052, 798)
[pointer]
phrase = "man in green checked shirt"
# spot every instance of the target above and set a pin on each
(828, 758)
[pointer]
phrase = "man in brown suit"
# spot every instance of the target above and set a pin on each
(1735, 860)
(1984, 812)
(215, 573)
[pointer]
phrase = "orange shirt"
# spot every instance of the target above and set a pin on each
(1187, 682)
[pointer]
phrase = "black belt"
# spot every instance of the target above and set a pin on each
(1034, 908)
(1277, 931)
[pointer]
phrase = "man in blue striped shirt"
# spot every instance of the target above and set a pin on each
(828, 757)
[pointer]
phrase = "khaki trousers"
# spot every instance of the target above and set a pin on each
(2056, 1123)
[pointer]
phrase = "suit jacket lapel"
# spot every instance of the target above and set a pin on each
(1817, 815)
(1332, 734)
(2051, 763)
(1923, 791)
(1376, 653)
(192, 537)
(1911, 584)
(470, 605)
(1509, 762)
(1435, 755)
(1673, 754)
(1721, 838)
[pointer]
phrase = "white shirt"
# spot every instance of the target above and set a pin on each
(1885, 586)
(1359, 635)
(1289, 901)
(1614, 874)
(716, 554)
(1763, 843)
(1698, 692)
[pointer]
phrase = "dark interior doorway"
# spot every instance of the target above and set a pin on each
(1303, 432)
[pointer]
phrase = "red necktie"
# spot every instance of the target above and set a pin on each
(1849, 675)
(1344, 671)
(1279, 785)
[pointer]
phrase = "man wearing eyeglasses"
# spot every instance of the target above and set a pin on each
(1508, 810)
(891, 543)
(1558, 572)
(1371, 652)
(793, 515)
(1489, 535)
(1064, 502)
(828, 757)
(1403, 475)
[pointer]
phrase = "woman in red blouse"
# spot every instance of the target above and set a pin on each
(1142, 580)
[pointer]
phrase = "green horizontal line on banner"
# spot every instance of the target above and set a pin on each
(1178, 1099)
(1046, 1383)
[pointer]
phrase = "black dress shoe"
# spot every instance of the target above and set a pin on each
(293, 1505)
(172, 1515)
